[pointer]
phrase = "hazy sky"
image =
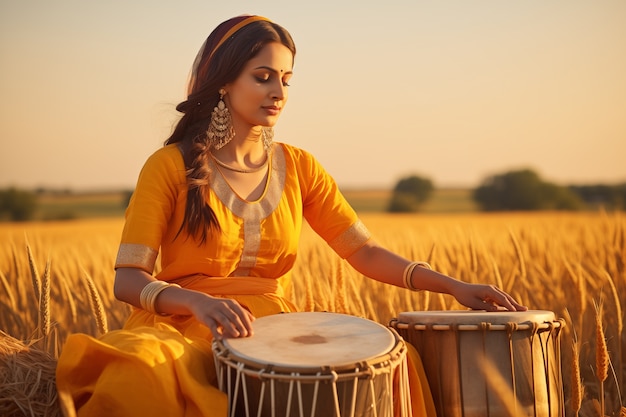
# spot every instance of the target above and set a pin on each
(453, 90)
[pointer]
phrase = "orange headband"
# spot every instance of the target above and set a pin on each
(235, 28)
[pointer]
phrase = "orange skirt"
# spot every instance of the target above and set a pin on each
(163, 365)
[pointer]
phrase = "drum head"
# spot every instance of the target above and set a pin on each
(312, 339)
(475, 317)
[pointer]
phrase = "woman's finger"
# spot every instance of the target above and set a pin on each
(498, 298)
(241, 318)
(235, 320)
(216, 329)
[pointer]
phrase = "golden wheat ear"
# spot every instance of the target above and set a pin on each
(578, 390)
(96, 304)
(602, 356)
(602, 352)
(44, 304)
(34, 273)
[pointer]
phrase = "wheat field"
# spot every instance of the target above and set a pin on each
(56, 279)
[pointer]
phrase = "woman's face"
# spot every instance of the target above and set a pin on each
(259, 94)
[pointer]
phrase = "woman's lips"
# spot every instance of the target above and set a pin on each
(272, 110)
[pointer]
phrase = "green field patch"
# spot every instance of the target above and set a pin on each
(444, 200)
(67, 206)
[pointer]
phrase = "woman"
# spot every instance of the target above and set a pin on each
(224, 206)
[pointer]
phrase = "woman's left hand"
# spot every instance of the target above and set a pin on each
(485, 297)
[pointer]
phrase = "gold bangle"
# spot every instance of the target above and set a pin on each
(408, 274)
(422, 264)
(150, 292)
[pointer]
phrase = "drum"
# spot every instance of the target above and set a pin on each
(481, 364)
(311, 364)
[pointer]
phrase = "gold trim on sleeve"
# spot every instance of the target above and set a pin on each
(136, 255)
(352, 239)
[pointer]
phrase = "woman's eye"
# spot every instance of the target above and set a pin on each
(266, 78)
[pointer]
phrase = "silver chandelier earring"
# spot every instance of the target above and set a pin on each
(220, 130)
(268, 138)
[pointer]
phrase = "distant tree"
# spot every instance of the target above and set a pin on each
(556, 197)
(17, 205)
(611, 197)
(523, 190)
(409, 193)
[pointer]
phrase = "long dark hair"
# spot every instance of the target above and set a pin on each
(212, 70)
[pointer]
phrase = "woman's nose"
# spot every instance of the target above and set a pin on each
(278, 93)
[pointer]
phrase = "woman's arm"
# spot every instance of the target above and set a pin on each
(378, 263)
(225, 317)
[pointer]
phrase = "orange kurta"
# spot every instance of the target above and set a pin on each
(163, 365)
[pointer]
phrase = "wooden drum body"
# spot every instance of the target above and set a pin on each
(314, 364)
(482, 364)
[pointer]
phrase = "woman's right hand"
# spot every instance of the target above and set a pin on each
(223, 316)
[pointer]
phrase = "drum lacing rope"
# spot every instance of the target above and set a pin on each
(216, 360)
(290, 395)
(262, 391)
(236, 389)
(457, 339)
(267, 376)
(484, 327)
(298, 384)
(555, 332)
(355, 382)
(554, 329)
(315, 392)
(510, 328)
(335, 395)
(370, 371)
(534, 331)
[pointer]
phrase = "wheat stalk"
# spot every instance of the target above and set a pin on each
(34, 273)
(431, 255)
(15, 263)
(44, 304)
(602, 356)
(581, 287)
(96, 304)
(496, 272)
(8, 291)
(578, 389)
(620, 322)
(309, 299)
(341, 293)
(519, 253)
(473, 256)
(616, 302)
(581, 290)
